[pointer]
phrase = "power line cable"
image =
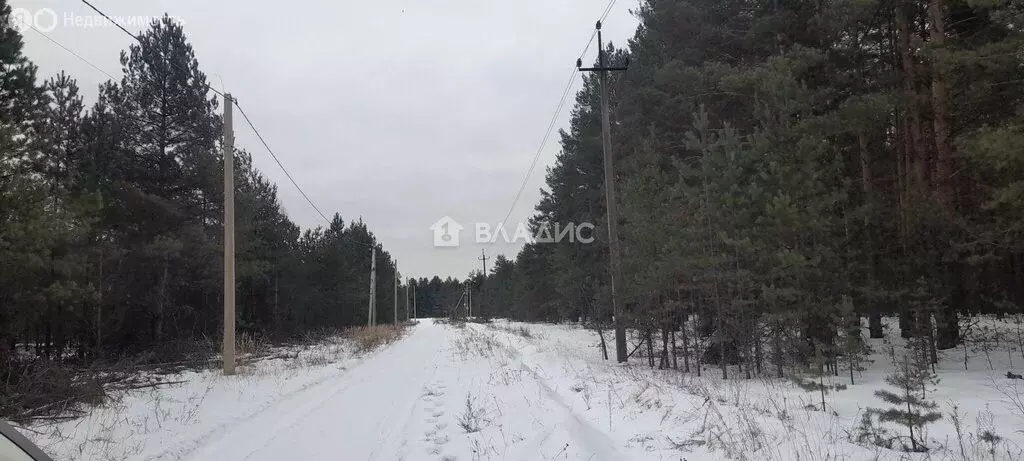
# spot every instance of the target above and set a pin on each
(263, 141)
(139, 39)
(70, 51)
(543, 142)
(119, 26)
(607, 10)
(554, 119)
(99, 69)
(247, 120)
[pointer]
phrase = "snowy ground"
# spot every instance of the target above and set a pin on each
(519, 392)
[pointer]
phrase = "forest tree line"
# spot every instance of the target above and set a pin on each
(788, 168)
(111, 220)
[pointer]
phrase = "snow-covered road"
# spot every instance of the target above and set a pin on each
(508, 391)
(406, 403)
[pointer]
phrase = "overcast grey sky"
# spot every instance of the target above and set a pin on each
(396, 111)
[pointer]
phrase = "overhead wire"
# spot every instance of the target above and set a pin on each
(554, 119)
(248, 121)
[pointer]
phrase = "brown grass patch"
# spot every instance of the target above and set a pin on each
(368, 339)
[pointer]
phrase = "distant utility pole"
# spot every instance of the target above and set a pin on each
(396, 293)
(415, 314)
(609, 187)
(408, 312)
(371, 319)
(228, 353)
(469, 309)
(484, 258)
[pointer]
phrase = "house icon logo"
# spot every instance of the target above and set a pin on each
(446, 232)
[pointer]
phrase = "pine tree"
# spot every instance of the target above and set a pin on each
(814, 378)
(855, 349)
(910, 405)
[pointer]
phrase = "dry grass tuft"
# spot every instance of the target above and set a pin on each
(367, 339)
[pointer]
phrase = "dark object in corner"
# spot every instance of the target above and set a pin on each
(15, 447)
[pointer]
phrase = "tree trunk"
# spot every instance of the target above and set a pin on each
(778, 350)
(720, 334)
(945, 192)
(867, 185)
(686, 345)
(277, 307)
(161, 307)
(758, 351)
(933, 355)
(906, 323)
(664, 364)
(875, 329)
(948, 319)
(916, 155)
(747, 355)
(99, 309)
(48, 337)
(675, 354)
(650, 347)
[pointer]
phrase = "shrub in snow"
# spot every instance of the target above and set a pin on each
(813, 379)
(855, 349)
(472, 419)
(910, 405)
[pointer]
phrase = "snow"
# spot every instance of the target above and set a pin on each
(506, 391)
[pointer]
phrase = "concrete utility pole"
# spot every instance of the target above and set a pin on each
(609, 188)
(372, 315)
(395, 318)
(228, 143)
(484, 258)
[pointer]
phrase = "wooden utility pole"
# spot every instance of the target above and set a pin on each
(372, 314)
(609, 192)
(408, 311)
(228, 143)
(415, 314)
(395, 318)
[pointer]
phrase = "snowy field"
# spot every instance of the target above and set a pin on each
(506, 391)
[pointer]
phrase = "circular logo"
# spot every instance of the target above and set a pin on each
(44, 20)
(21, 19)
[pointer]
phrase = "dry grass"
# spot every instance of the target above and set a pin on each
(46, 390)
(367, 339)
(250, 348)
(520, 330)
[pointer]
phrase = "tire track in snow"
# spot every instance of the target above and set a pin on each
(590, 438)
(364, 414)
(186, 448)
